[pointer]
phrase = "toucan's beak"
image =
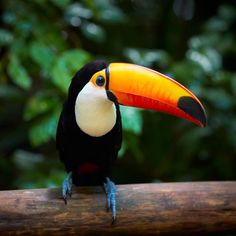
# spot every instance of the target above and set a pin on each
(141, 87)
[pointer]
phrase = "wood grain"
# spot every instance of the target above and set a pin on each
(193, 208)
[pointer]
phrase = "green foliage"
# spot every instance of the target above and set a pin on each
(5, 37)
(18, 73)
(131, 119)
(147, 57)
(66, 66)
(43, 44)
(197, 153)
(37, 51)
(45, 129)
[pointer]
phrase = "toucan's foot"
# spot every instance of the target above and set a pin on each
(110, 190)
(67, 187)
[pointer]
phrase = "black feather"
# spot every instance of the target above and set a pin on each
(75, 147)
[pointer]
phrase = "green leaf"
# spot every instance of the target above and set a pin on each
(9, 17)
(18, 73)
(42, 55)
(66, 66)
(9, 92)
(25, 27)
(106, 11)
(233, 83)
(208, 59)
(216, 25)
(186, 72)
(147, 57)
(61, 3)
(25, 160)
(18, 47)
(131, 119)
(227, 12)
(112, 15)
(39, 104)
(78, 10)
(45, 129)
(93, 32)
(219, 98)
(5, 37)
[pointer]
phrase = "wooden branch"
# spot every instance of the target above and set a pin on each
(193, 208)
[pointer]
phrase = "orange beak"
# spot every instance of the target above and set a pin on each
(141, 87)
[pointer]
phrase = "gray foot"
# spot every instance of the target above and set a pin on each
(67, 187)
(110, 190)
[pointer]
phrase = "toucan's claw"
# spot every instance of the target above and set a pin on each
(67, 187)
(110, 190)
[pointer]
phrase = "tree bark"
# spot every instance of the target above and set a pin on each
(193, 208)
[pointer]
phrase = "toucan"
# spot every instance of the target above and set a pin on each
(89, 132)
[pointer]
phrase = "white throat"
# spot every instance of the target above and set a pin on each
(94, 113)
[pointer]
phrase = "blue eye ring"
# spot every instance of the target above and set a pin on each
(100, 81)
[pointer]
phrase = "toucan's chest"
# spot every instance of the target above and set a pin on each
(80, 148)
(95, 114)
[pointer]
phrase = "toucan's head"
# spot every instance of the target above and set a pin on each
(104, 84)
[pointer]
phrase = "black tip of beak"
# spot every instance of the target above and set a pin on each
(193, 108)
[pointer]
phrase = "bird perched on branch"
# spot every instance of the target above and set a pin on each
(89, 133)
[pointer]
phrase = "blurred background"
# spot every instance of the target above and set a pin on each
(44, 42)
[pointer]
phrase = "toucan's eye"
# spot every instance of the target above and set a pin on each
(100, 80)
